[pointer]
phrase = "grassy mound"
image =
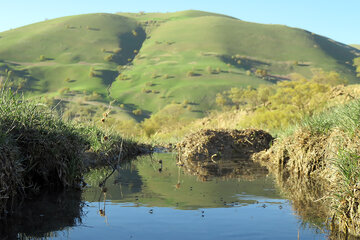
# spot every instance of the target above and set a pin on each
(38, 150)
(322, 159)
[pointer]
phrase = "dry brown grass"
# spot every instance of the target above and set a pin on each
(305, 166)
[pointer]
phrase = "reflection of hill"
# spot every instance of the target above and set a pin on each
(172, 188)
(43, 216)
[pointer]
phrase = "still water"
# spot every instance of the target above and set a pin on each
(153, 198)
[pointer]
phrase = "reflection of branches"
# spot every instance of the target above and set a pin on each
(102, 211)
(177, 186)
(103, 182)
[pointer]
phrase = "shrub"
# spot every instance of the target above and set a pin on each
(109, 57)
(64, 91)
(190, 74)
(119, 68)
(261, 72)
(92, 74)
(42, 58)
(117, 50)
(149, 84)
(137, 112)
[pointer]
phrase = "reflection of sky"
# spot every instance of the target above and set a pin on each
(247, 222)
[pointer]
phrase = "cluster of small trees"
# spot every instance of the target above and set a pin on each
(275, 106)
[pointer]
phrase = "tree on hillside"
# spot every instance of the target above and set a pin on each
(109, 57)
(42, 58)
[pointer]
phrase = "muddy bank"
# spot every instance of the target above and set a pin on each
(311, 171)
(223, 144)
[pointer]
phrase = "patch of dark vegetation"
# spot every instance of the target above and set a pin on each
(223, 144)
(39, 151)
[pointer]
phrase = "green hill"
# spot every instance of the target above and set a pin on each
(355, 46)
(150, 60)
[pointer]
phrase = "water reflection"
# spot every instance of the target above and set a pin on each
(142, 183)
(219, 200)
(44, 216)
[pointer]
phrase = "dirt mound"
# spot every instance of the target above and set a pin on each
(223, 144)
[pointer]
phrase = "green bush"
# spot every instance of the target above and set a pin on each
(137, 112)
(42, 58)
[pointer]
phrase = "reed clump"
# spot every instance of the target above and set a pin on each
(323, 153)
(38, 150)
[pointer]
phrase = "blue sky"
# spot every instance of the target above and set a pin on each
(337, 19)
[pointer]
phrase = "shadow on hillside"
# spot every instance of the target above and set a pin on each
(107, 76)
(246, 63)
(17, 76)
(130, 44)
(145, 114)
(341, 52)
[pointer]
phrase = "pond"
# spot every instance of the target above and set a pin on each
(153, 198)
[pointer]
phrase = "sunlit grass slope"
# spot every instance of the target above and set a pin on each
(162, 58)
(355, 46)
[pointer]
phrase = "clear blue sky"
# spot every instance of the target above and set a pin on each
(337, 19)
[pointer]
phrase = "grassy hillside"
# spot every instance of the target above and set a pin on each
(149, 60)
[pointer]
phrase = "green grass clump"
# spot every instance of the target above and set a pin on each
(345, 117)
(38, 150)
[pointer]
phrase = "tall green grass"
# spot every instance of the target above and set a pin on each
(345, 117)
(38, 150)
